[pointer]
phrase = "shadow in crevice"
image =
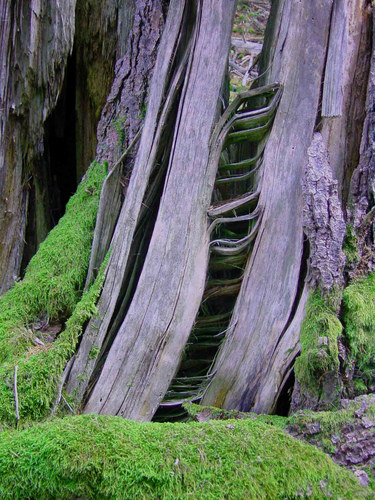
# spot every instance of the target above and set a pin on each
(52, 179)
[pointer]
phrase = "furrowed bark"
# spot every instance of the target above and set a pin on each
(262, 322)
(323, 219)
(146, 351)
(101, 41)
(121, 121)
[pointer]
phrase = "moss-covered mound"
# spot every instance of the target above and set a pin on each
(50, 291)
(95, 456)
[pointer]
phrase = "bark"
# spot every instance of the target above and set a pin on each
(101, 40)
(121, 120)
(42, 80)
(262, 322)
(323, 219)
(31, 76)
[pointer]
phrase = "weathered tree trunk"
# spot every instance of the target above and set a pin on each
(281, 176)
(146, 350)
(32, 71)
(250, 370)
(47, 74)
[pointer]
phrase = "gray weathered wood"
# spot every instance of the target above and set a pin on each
(36, 40)
(266, 304)
(332, 99)
(147, 348)
(345, 87)
(98, 327)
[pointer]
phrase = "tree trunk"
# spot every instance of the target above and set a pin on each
(31, 77)
(47, 75)
(249, 371)
(224, 235)
(146, 350)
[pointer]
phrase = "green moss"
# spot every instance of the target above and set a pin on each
(350, 247)
(51, 289)
(95, 456)
(119, 126)
(214, 413)
(359, 320)
(93, 354)
(319, 333)
(332, 424)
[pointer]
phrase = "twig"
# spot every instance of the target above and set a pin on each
(15, 392)
(67, 404)
(129, 148)
(61, 385)
(38, 341)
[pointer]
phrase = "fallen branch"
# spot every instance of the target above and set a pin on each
(251, 47)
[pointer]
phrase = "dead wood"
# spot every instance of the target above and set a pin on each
(267, 303)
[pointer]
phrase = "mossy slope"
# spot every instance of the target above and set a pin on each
(320, 331)
(51, 289)
(359, 319)
(95, 456)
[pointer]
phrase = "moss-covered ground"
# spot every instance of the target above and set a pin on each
(93, 456)
(50, 291)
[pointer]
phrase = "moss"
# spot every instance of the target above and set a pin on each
(93, 354)
(342, 434)
(320, 331)
(214, 413)
(350, 247)
(95, 456)
(359, 320)
(51, 290)
(119, 126)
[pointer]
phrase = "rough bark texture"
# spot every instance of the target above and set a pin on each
(125, 107)
(36, 39)
(101, 40)
(122, 117)
(323, 219)
(267, 302)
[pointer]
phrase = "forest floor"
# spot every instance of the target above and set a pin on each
(247, 42)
